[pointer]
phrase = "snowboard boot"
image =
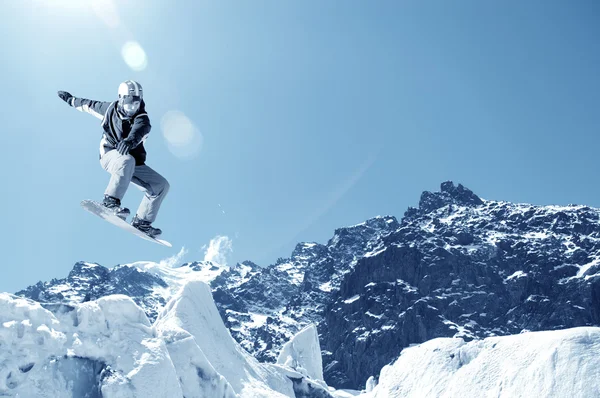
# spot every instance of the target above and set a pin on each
(146, 227)
(114, 205)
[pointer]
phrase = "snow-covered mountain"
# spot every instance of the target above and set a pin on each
(456, 266)
(465, 267)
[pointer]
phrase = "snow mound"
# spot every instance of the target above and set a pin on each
(107, 348)
(191, 319)
(563, 363)
(104, 349)
(303, 353)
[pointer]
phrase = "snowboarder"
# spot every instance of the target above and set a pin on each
(126, 126)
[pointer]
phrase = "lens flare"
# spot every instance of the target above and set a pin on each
(183, 138)
(134, 56)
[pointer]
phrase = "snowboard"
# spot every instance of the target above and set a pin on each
(99, 210)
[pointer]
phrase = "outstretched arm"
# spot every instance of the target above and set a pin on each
(96, 108)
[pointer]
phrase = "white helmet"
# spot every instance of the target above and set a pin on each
(130, 97)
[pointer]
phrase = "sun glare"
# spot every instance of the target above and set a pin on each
(106, 11)
(183, 138)
(134, 56)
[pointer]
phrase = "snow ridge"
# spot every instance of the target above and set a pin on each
(108, 348)
(539, 364)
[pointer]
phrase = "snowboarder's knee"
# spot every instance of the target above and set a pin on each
(159, 187)
(127, 161)
(165, 187)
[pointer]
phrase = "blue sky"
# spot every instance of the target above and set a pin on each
(306, 116)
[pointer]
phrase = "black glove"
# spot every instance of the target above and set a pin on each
(65, 96)
(124, 147)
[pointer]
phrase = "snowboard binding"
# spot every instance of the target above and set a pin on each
(114, 205)
(146, 227)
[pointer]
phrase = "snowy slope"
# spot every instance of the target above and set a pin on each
(102, 348)
(108, 348)
(303, 353)
(193, 310)
(558, 364)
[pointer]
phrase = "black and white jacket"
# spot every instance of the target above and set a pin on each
(116, 127)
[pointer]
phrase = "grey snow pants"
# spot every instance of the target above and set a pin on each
(123, 171)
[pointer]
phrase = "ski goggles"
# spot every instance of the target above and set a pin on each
(131, 104)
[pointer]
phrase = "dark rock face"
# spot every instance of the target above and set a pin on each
(293, 292)
(462, 267)
(455, 266)
(449, 195)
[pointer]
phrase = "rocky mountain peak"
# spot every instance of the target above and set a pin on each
(84, 270)
(369, 228)
(201, 265)
(449, 194)
(308, 250)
